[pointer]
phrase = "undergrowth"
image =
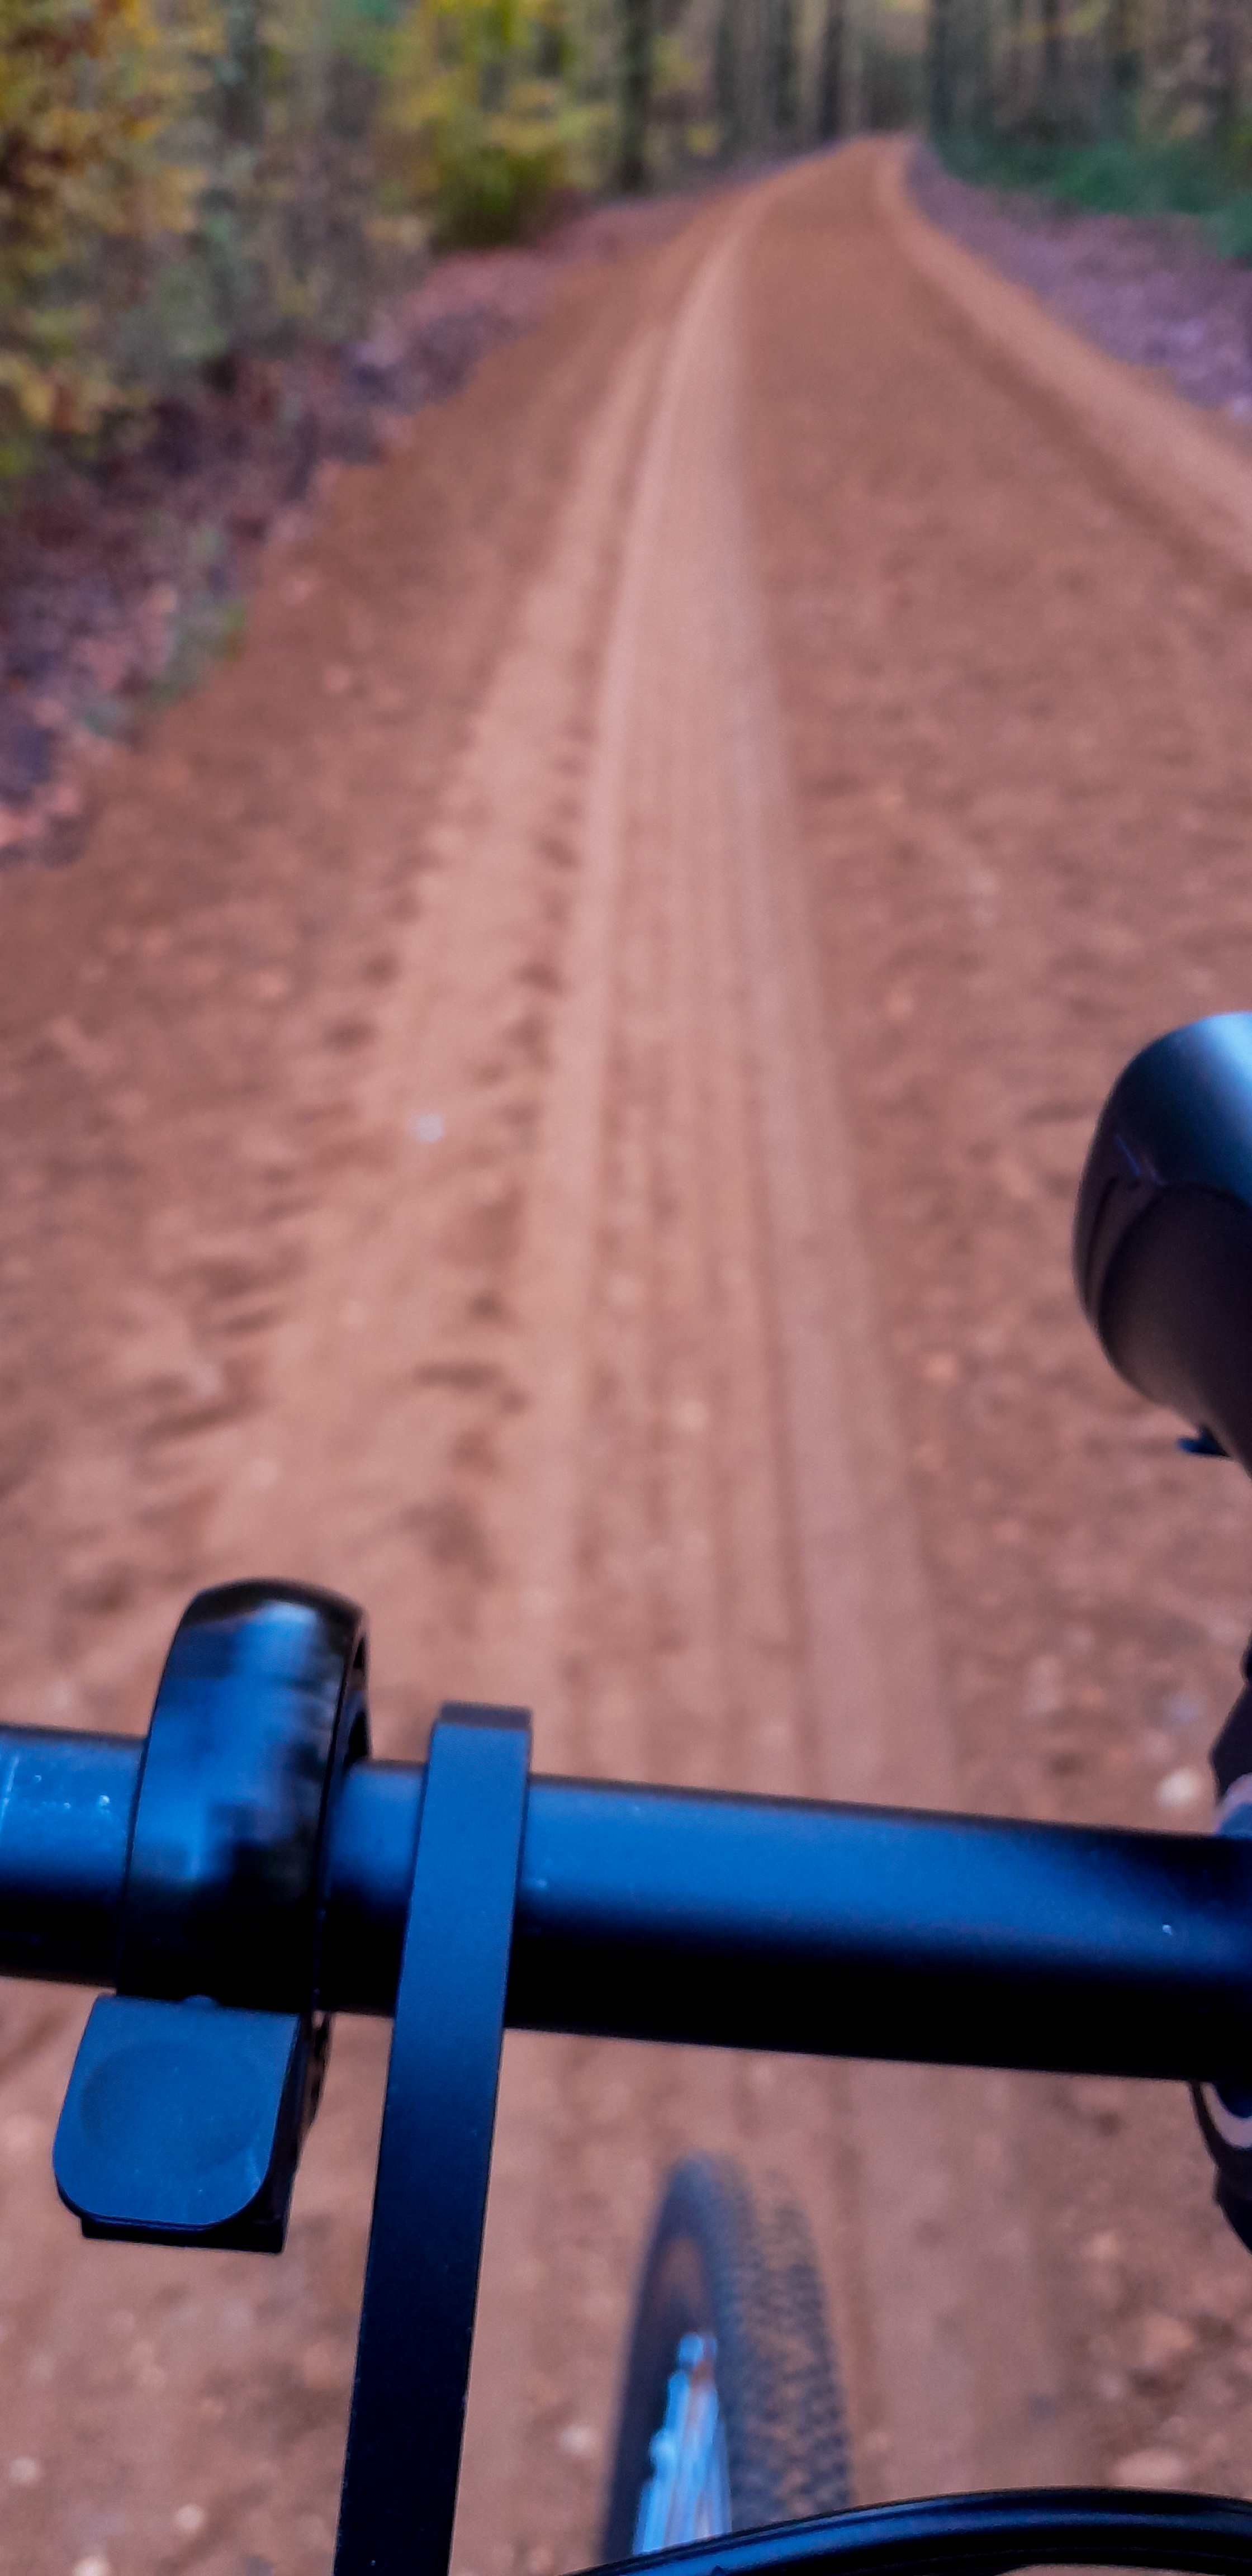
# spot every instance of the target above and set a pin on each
(188, 187)
(1170, 176)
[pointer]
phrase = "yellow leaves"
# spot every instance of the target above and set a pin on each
(68, 399)
(32, 389)
(480, 119)
(88, 89)
(185, 180)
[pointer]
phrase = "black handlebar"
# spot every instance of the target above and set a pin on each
(648, 1913)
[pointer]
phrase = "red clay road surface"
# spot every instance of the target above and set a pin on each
(551, 1102)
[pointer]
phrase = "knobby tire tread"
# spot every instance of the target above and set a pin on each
(738, 2263)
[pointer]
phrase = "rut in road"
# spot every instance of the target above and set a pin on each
(718, 1582)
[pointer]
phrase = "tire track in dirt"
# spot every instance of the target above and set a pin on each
(721, 1583)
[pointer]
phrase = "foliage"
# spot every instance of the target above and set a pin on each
(1230, 230)
(1140, 107)
(207, 630)
(1157, 176)
(87, 89)
(191, 186)
(481, 118)
(183, 183)
(679, 136)
(284, 241)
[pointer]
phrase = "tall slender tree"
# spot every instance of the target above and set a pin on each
(636, 93)
(830, 81)
(1225, 35)
(978, 101)
(726, 79)
(1052, 65)
(940, 67)
(784, 71)
(1012, 99)
(1120, 66)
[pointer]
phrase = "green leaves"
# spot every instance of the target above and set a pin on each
(185, 183)
(481, 122)
(86, 90)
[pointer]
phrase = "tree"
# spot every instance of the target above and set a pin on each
(636, 93)
(1052, 65)
(1120, 66)
(830, 81)
(939, 67)
(87, 91)
(1225, 68)
(784, 71)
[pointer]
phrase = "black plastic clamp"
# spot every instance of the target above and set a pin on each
(185, 2112)
(430, 2201)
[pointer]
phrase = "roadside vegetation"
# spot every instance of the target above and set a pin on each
(190, 189)
(190, 185)
(1137, 107)
(220, 225)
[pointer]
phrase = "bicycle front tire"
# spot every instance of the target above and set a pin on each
(731, 2414)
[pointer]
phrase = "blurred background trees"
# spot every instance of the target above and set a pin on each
(1135, 106)
(192, 187)
(87, 96)
(1091, 70)
(189, 188)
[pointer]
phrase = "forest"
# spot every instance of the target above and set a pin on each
(191, 186)
(1141, 107)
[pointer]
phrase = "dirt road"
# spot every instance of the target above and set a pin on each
(551, 1103)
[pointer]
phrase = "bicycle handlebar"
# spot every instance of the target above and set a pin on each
(650, 1913)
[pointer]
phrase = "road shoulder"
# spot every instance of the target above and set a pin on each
(1186, 466)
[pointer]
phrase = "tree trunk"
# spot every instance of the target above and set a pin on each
(979, 100)
(1052, 65)
(636, 93)
(1121, 67)
(1012, 98)
(1224, 68)
(239, 74)
(830, 84)
(784, 71)
(939, 66)
(726, 81)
